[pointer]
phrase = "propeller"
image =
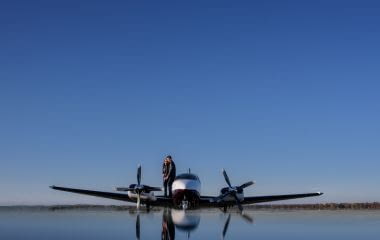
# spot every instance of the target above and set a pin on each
(138, 188)
(233, 190)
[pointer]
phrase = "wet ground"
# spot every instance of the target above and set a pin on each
(200, 224)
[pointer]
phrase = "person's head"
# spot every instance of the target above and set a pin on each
(168, 158)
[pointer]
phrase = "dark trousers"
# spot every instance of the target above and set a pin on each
(168, 186)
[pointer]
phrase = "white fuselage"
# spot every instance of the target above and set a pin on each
(186, 184)
(186, 190)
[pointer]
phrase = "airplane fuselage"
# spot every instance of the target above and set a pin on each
(186, 192)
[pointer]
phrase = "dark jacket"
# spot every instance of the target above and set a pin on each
(172, 171)
(169, 170)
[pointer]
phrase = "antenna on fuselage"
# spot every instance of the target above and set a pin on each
(189, 171)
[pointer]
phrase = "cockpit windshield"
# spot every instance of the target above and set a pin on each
(187, 176)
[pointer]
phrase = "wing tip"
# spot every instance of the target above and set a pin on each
(319, 193)
(55, 187)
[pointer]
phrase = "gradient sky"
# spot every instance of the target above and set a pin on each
(282, 92)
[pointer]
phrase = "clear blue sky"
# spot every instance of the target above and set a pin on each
(282, 92)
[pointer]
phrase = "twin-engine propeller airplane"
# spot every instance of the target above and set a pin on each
(186, 194)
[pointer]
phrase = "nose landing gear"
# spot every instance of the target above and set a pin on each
(185, 203)
(185, 200)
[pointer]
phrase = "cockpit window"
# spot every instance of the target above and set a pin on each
(187, 176)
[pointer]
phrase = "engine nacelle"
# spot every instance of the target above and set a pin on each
(239, 194)
(145, 196)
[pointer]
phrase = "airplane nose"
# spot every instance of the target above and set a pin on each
(181, 184)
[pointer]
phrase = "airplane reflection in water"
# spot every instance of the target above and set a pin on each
(184, 221)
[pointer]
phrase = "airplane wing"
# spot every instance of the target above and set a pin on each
(115, 196)
(160, 200)
(206, 201)
(210, 201)
(261, 199)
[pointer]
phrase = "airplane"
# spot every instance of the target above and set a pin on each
(186, 194)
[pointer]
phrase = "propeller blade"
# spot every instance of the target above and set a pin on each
(247, 218)
(138, 200)
(247, 184)
(139, 174)
(226, 224)
(226, 178)
(138, 226)
(238, 202)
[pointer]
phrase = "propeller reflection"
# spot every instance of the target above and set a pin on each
(138, 226)
(245, 217)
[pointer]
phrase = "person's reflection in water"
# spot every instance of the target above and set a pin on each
(168, 228)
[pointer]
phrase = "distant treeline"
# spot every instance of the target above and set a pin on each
(319, 206)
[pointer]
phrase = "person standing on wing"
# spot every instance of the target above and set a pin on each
(165, 170)
(169, 174)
